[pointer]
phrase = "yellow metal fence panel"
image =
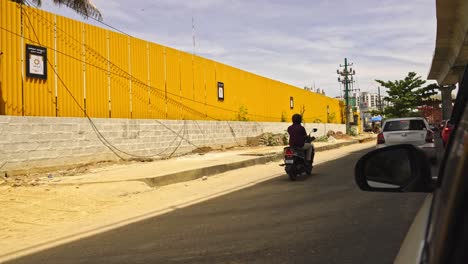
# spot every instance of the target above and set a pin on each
(233, 100)
(10, 60)
(212, 107)
(97, 94)
(199, 91)
(39, 94)
(70, 68)
(139, 78)
(257, 98)
(157, 81)
(228, 108)
(192, 104)
(119, 74)
(277, 102)
(173, 84)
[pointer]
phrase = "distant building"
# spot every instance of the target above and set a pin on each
(314, 90)
(370, 101)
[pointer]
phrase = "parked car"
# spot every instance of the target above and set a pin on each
(445, 132)
(409, 130)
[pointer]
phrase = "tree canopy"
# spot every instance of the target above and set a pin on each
(405, 96)
(83, 7)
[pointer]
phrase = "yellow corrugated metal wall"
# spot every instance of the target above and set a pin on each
(108, 74)
(10, 60)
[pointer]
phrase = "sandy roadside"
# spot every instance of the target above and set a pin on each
(42, 216)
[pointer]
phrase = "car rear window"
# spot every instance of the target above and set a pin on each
(402, 125)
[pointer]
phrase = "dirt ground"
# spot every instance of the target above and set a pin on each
(37, 215)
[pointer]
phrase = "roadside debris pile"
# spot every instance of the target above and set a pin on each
(338, 135)
(268, 139)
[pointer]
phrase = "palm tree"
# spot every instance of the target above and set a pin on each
(83, 7)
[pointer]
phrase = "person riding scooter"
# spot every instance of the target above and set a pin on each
(297, 138)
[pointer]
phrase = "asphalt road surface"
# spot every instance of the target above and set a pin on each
(323, 218)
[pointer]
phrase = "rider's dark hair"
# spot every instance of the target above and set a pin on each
(297, 119)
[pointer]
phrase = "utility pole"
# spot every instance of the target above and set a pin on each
(380, 100)
(347, 79)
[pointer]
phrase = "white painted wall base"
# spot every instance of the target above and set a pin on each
(41, 142)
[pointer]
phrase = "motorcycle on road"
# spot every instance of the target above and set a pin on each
(295, 162)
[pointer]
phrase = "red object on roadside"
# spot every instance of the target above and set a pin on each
(380, 138)
(446, 131)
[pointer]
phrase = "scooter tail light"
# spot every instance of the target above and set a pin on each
(289, 153)
(380, 138)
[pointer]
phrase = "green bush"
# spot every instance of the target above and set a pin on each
(321, 139)
(242, 114)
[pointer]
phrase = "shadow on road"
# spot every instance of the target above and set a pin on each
(323, 218)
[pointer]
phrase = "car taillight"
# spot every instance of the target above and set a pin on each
(289, 153)
(380, 138)
(429, 136)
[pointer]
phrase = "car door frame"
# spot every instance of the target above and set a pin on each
(449, 203)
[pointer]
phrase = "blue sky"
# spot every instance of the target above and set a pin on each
(300, 42)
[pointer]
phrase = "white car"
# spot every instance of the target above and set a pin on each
(409, 130)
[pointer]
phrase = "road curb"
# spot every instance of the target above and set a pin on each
(217, 169)
(208, 171)
(193, 174)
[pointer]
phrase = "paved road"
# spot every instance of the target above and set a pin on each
(323, 218)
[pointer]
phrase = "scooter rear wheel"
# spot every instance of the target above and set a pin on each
(292, 176)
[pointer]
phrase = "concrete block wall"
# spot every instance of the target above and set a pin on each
(42, 142)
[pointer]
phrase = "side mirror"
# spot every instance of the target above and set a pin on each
(399, 168)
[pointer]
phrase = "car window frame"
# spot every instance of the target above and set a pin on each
(448, 197)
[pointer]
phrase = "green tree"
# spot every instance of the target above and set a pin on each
(406, 95)
(83, 7)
